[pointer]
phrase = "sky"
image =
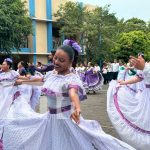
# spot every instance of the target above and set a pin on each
(125, 8)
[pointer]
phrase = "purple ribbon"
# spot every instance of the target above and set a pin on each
(124, 118)
(59, 110)
(1, 144)
(16, 95)
(147, 85)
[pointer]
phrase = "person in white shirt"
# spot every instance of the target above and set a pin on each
(97, 68)
(109, 71)
(115, 69)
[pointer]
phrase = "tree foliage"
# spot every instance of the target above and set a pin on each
(95, 29)
(131, 43)
(15, 25)
(135, 24)
(71, 19)
(101, 34)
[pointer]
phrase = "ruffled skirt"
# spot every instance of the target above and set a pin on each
(93, 82)
(26, 130)
(129, 115)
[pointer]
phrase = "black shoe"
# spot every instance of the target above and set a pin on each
(94, 92)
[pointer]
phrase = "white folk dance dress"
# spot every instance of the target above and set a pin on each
(7, 90)
(54, 130)
(135, 88)
(129, 114)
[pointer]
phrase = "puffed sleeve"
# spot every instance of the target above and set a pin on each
(146, 73)
(9, 78)
(14, 75)
(76, 83)
(140, 74)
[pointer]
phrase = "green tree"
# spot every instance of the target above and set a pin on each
(70, 18)
(147, 52)
(148, 25)
(131, 44)
(135, 24)
(95, 29)
(15, 25)
(100, 33)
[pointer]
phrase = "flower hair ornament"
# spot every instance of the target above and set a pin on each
(8, 60)
(73, 44)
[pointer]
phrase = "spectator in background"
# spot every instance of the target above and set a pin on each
(31, 69)
(97, 68)
(39, 65)
(109, 71)
(121, 66)
(82, 67)
(49, 66)
(21, 68)
(115, 69)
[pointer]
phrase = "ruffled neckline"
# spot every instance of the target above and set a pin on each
(60, 75)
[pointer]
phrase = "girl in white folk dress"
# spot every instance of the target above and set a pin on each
(62, 128)
(130, 113)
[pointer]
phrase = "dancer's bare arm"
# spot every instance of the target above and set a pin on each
(130, 81)
(35, 81)
(76, 103)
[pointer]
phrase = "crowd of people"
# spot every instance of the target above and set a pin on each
(90, 75)
(112, 71)
(63, 127)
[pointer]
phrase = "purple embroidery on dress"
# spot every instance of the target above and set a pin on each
(123, 117)
(73, 86)
(131, 89)
(49, 92)
(59, 110)
(1, 144)
(7, 79)
(16, 95)
(1, 140)
(140, 76)
(147, 85)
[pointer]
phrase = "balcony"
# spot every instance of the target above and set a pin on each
(22, 51)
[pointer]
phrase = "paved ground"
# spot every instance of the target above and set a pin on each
(93, 108)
